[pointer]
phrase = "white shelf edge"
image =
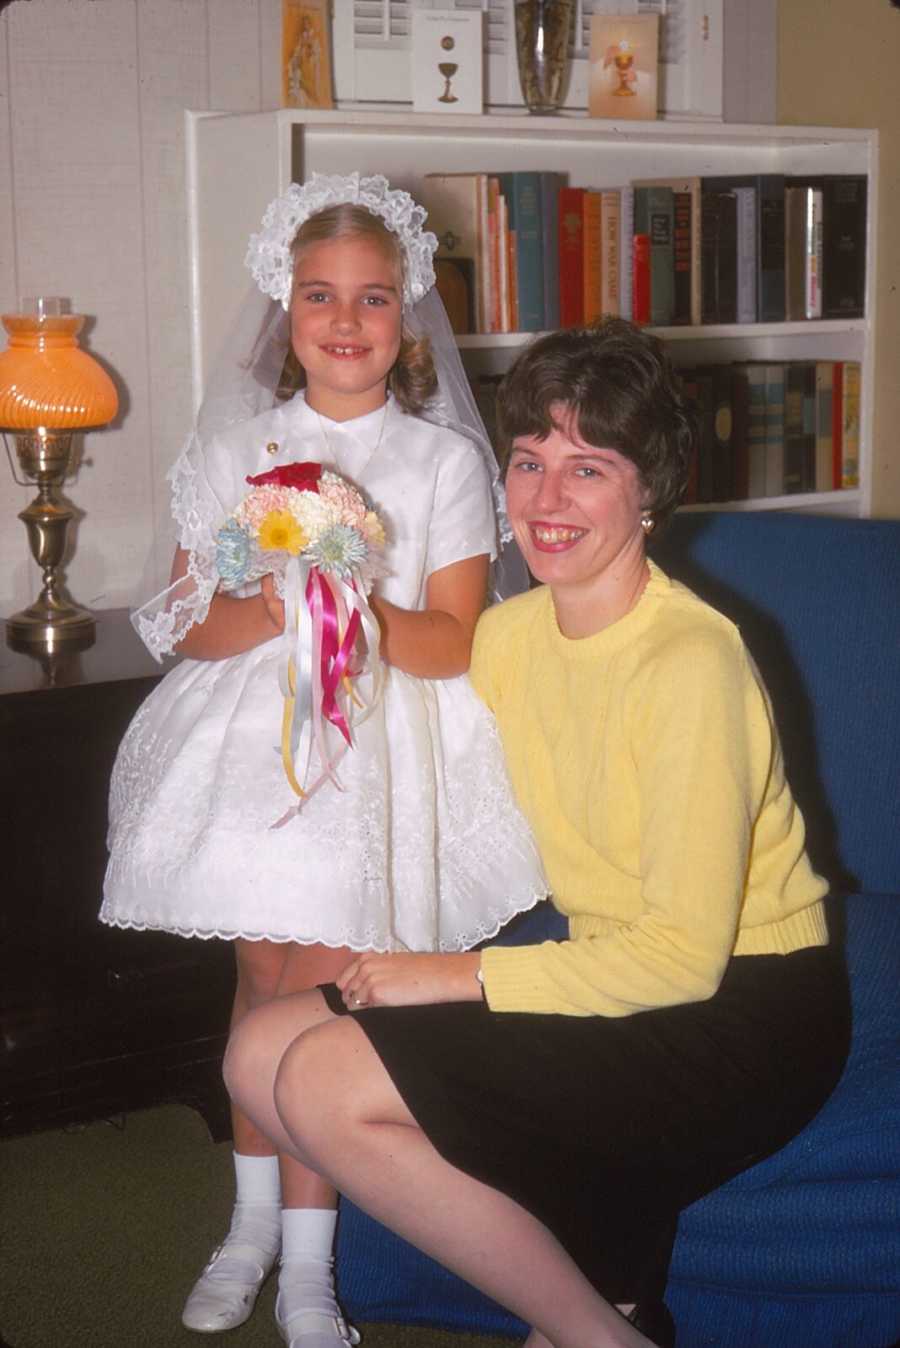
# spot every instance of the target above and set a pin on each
(846, 498)
(377, 117)
(474, 341)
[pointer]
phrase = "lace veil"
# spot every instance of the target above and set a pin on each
(246, 381)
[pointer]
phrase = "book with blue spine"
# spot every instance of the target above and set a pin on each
(522, 191)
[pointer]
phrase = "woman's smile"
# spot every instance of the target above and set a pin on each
(554, 537)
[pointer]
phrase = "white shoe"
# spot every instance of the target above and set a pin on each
(224, 1295)
(315, 1329)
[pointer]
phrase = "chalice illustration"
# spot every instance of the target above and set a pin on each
(448, 69)
(624, 63)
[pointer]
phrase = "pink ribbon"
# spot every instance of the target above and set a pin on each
(334, 652)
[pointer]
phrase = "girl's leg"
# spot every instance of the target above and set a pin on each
(338, 1110)
(226, 1291)
(306, 1305)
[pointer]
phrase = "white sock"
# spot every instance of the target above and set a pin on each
(256, 1219)
(306, 1278)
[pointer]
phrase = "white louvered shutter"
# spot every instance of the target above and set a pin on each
(371, 50)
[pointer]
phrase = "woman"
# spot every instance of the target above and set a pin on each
(536, 1117)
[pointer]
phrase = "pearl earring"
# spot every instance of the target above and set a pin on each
(648, 523)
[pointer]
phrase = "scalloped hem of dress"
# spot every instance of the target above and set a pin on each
(463, 943)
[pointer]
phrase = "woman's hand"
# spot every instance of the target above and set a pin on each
(409, 980)
(274, 605)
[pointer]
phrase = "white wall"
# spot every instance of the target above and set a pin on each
(92, 206)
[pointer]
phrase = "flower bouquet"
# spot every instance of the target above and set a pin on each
(314, 533)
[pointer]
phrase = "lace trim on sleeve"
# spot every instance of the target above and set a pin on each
(164, 621)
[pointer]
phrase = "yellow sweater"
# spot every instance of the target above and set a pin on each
(648, 765)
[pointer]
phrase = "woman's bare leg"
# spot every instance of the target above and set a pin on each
(267, 1184)
(335, 1107)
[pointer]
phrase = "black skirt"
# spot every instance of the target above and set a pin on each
(605, 1128)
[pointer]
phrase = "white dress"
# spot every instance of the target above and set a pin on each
(424, 848)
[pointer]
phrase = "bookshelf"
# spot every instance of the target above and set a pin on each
(238, 161)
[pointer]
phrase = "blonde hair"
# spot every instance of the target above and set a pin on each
(412, 379)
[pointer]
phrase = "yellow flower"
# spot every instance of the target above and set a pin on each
(374, 529)
(280, 532)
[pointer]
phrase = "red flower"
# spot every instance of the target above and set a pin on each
(301, 476)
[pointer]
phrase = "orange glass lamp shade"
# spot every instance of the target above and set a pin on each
(49, 388)
(47, 380)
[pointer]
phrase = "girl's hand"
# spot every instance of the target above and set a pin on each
(274, 605)
(409, 980)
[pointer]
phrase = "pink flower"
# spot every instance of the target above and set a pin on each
(344, 498)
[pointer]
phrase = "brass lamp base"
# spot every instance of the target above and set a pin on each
(46, 626)
(53, 619)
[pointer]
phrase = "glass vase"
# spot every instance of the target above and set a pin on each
(543, 28)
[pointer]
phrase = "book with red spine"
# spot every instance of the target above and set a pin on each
(640, 283)
(571, 257)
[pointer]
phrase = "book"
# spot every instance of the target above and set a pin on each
(454, 279)
(626, 254)
(551, 183)
(522, 191)
(681, 250)
(718, 230)
(799, 426)
(640, 278)
(740, 444)
(654, 216)
(824, 428)
(609, 255)
(686, 244)
(722, 427)
(850, 423)
(753, 375)
(775, 428)
(592, 247)
(691, 396)
(747, 262)
(844, 223)
(506, 304)
(802, 252)
(844, 246)
(706, 412)
(457, 206)
(837, 423)
(571, 256)
(496, 236)
(769, 236)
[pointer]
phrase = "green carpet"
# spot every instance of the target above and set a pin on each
(104, 1229)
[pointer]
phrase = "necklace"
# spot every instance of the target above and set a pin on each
(371, 453)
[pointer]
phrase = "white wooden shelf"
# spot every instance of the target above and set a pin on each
(265, 151)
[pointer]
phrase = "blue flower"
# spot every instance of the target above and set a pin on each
(233, 553)
(339, 550)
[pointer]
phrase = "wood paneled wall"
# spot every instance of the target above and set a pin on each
(92, 206)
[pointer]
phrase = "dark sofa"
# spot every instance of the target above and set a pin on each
(802, 1250)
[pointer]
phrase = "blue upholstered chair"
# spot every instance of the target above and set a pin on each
(802, 1250)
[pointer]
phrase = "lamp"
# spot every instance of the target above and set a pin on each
(49, 388)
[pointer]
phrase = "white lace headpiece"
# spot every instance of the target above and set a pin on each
(269, 255)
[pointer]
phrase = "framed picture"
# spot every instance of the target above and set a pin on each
(306, 54)
(624, 58)
(446, 60)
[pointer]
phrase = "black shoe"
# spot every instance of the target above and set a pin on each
(653, 1319)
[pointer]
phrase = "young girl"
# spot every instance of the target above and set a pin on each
(422, 848)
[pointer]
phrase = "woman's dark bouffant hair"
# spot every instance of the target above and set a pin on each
(413, 379)
(617, 380)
